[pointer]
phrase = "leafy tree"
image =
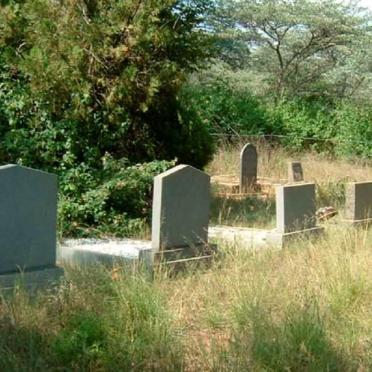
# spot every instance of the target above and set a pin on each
(82, 78)
(296, 43)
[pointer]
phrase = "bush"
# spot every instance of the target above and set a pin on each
(115, 200)
(227, 111)
(81, 82)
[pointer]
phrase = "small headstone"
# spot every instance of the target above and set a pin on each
(248, 167)
(181, 205)
(295, 207)
(358, 205)
(295, 172)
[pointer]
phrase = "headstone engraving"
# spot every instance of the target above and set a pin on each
(358, 205)
(295, 207)
(248, 167)
(181, 205)
(295, 172)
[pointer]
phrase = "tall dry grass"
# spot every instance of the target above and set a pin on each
(329, 174)
(273, 161)
(305, 308)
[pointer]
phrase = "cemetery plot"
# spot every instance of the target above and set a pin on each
(180, 218)
(248, 183)
(295, 217)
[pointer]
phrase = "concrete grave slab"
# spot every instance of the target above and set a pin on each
(181, 201)
(295, 214)
(248, 167)
(358, 204)
(106, 251)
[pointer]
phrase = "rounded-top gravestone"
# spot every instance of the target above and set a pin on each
(180, 208)
(248, 167)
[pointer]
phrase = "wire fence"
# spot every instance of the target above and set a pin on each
(271, 137)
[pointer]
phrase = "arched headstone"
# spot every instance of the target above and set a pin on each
(248, 167)
(181, 205)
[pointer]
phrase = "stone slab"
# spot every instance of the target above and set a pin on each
(358, 204)
(253, 239)
(248, 167)
(181, 205)
(83, 252)
(295, 207)
(295, 172)
(244, 237)
(28, 218)
(31, 280)
(89, 251)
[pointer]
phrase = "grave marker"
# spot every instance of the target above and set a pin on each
(180, 208)
(295, 207)
(28, 222)
(248, 168)
(358, 205)
(295, 172)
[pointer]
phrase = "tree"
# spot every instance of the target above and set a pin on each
(96, 77)
(296, 43)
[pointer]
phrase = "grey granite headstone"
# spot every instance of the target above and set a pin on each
(28, 215)
(358, 206)
(248, 167)
(295, 207)
(180, 208)
(295, 172)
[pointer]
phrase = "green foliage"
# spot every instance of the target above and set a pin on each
(115, 200)
(81, 340)
(84, 81)
(225, 110)
(227, 107)
(303, 47)
(90, 323)
(298, 342)
(354, 130)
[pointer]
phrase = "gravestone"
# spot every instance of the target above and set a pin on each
(248, 167)
(295, 207)
(358, 205)
(180, 217)
(295, 172)
(28, 222)
(181, 205)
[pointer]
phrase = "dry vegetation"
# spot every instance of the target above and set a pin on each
(273, 163)
(305, 308)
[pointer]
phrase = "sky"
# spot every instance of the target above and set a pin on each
(366, 3)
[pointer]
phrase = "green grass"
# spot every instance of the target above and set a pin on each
(303, 308)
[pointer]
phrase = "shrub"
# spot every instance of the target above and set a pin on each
(116, 200)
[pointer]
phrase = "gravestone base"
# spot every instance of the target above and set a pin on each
(173, 261)
(83, 252)
(31, 280)
(134, 253)
(256, 239)
(284, 239)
